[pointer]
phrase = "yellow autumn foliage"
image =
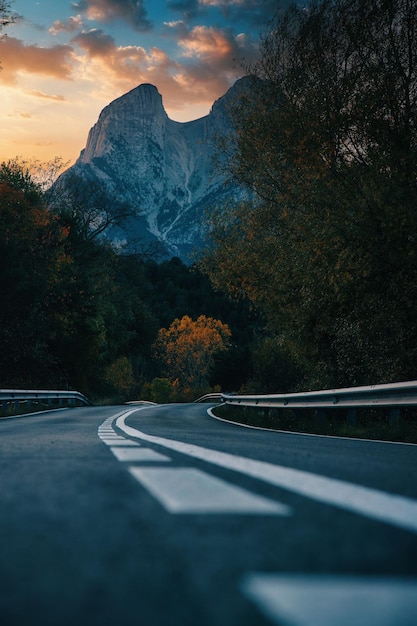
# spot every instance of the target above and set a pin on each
(187, 348)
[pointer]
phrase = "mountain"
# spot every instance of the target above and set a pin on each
(162, 169)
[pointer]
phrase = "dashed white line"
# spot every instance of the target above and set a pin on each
(139, 454)
(186, 490)
(308, 600)
(189, 490)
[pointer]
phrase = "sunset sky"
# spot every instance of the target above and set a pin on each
(62, 62)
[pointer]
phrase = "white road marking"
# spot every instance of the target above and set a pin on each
(125, 443)
(186, 490)
(308, 600)
(189, 490)
(139, 454)
(379, 505)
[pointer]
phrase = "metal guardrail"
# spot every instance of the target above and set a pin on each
(392, 396)
(43, 398)
(209, 396)
(386, 395)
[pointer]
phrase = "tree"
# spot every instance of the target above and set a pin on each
(6, 16)
(32, 257)
(326, 139)
(89, 204)
(61, 322)
(187, 348)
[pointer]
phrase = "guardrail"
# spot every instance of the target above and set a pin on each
(208, 397)
(392, 396)
(11, 400)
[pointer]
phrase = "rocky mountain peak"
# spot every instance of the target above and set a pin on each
(163, 169)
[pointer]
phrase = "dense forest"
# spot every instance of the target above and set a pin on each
(313, 283)
(77, 314)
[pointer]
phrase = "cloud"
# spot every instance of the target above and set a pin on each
(46, 96)
(254, 12)
(131, 11)
(95, 43)
(206, 65)
(16, 57)
(121, 67)
(209, 43)
(188, 8)
(70, 25)
(25, 116)
(219, 47)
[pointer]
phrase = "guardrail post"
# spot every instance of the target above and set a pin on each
(394, 416)
(351, 417)
(321, 416)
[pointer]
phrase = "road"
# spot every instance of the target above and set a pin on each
(166, 516)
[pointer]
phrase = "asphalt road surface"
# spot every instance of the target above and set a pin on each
(165, 516)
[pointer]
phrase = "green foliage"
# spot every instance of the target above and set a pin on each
(159, 390)
(327, 141)
(31, 259)
(119, 375)
(370, 423)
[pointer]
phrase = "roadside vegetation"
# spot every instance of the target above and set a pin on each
(78, 314)
(326, 142)
(369, 423)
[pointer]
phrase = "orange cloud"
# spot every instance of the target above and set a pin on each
(70, 25)
(205, 72)
(25, 116)
(121, 63)
(212, 44)
(17, 57)
(47, 96)
(205, 41)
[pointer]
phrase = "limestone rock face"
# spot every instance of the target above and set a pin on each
(163, 169)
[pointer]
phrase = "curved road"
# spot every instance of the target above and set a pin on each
(165, 516)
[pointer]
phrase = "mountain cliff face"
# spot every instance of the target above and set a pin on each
(163, 169)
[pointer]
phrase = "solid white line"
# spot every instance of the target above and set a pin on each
(393, 509)
(139, 454)
(308, 600)
(189, 490)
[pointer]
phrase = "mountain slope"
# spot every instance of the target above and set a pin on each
(161, 168)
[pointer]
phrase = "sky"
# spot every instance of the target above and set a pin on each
(63, 62)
